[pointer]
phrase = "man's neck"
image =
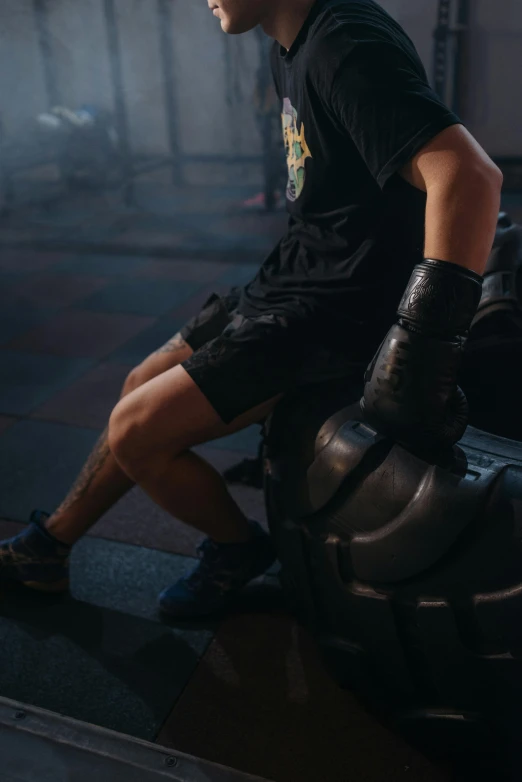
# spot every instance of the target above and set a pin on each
(286, 19)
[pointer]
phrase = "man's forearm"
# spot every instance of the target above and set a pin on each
(461, 219)
(411, 393)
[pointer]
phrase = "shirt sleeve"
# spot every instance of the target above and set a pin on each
(389, 110)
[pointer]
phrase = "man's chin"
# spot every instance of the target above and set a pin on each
(235, 28)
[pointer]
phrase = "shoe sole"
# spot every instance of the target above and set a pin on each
(220, 609)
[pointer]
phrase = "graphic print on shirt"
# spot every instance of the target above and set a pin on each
(297, 151)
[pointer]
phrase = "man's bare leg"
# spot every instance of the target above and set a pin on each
(151, 432)
(147, 442)
(151, 441)
(102, 482)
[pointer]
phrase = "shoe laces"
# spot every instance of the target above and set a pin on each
(206, 573)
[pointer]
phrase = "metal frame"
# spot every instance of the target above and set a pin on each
(452, 29)
(133, 165)
(118, 90)
(36, 744)
(440, 50)
(164, 12)
(8, 165)
(461, 30)
(6, 182)
(40, 8)
(449, 55)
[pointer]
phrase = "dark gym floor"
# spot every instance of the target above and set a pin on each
(248, 691)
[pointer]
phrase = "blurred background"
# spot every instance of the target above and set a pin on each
(137, 124)
(141, 169)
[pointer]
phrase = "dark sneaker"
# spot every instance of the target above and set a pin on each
(223, 569)
(34, 558)
(249, 472)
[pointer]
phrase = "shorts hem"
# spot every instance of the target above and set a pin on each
(224, 408)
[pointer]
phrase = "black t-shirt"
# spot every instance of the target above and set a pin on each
(356, 107)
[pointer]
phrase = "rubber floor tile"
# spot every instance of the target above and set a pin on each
(160, 221)
(102, 265)
(141, 297)
(67, 212)
(15, 260)
(38, 463)
(137, 519)
(147, 341)
(225, 243)
(5, 421)
(271, 226)
(250, 500)
(96, 233)
(260, 701)
(193, 305)
(240, 274)
(14, 303)
(57, 290)
(246, 441)
(102, 654)
(17, 322)
(184, 270)
(12, 279)
(149, 241)
(27, 380)
(78, 332)
(89, 401)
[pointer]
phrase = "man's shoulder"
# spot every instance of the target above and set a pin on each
(352, 15)
(343, 25)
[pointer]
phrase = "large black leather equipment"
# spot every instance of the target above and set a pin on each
(491, 371)
(408, 573)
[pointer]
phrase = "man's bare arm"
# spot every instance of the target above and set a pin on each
(463, 186)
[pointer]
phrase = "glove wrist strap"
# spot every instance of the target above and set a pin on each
(441, 299)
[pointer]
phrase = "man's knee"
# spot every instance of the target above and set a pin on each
(174, 352)
(141, 374)
(137, 377)
(131, 382)
(133, 436)
(122, 432)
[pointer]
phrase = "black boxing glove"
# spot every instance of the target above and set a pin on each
(411, 392)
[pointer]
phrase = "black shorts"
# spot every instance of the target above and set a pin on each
(239, 362)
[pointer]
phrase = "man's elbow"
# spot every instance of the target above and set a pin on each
(494, 175)
(480, 173)
(473, 177)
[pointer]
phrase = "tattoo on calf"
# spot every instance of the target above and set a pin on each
(92, 467)
(176, 343)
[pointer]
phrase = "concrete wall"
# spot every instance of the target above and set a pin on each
(493, 105)
(21, 80)
(419, 18)
(215, 111)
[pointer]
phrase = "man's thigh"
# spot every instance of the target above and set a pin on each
(207, 324)
(229, 383)
(168, 415)
(225, 385)
(169, 355)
